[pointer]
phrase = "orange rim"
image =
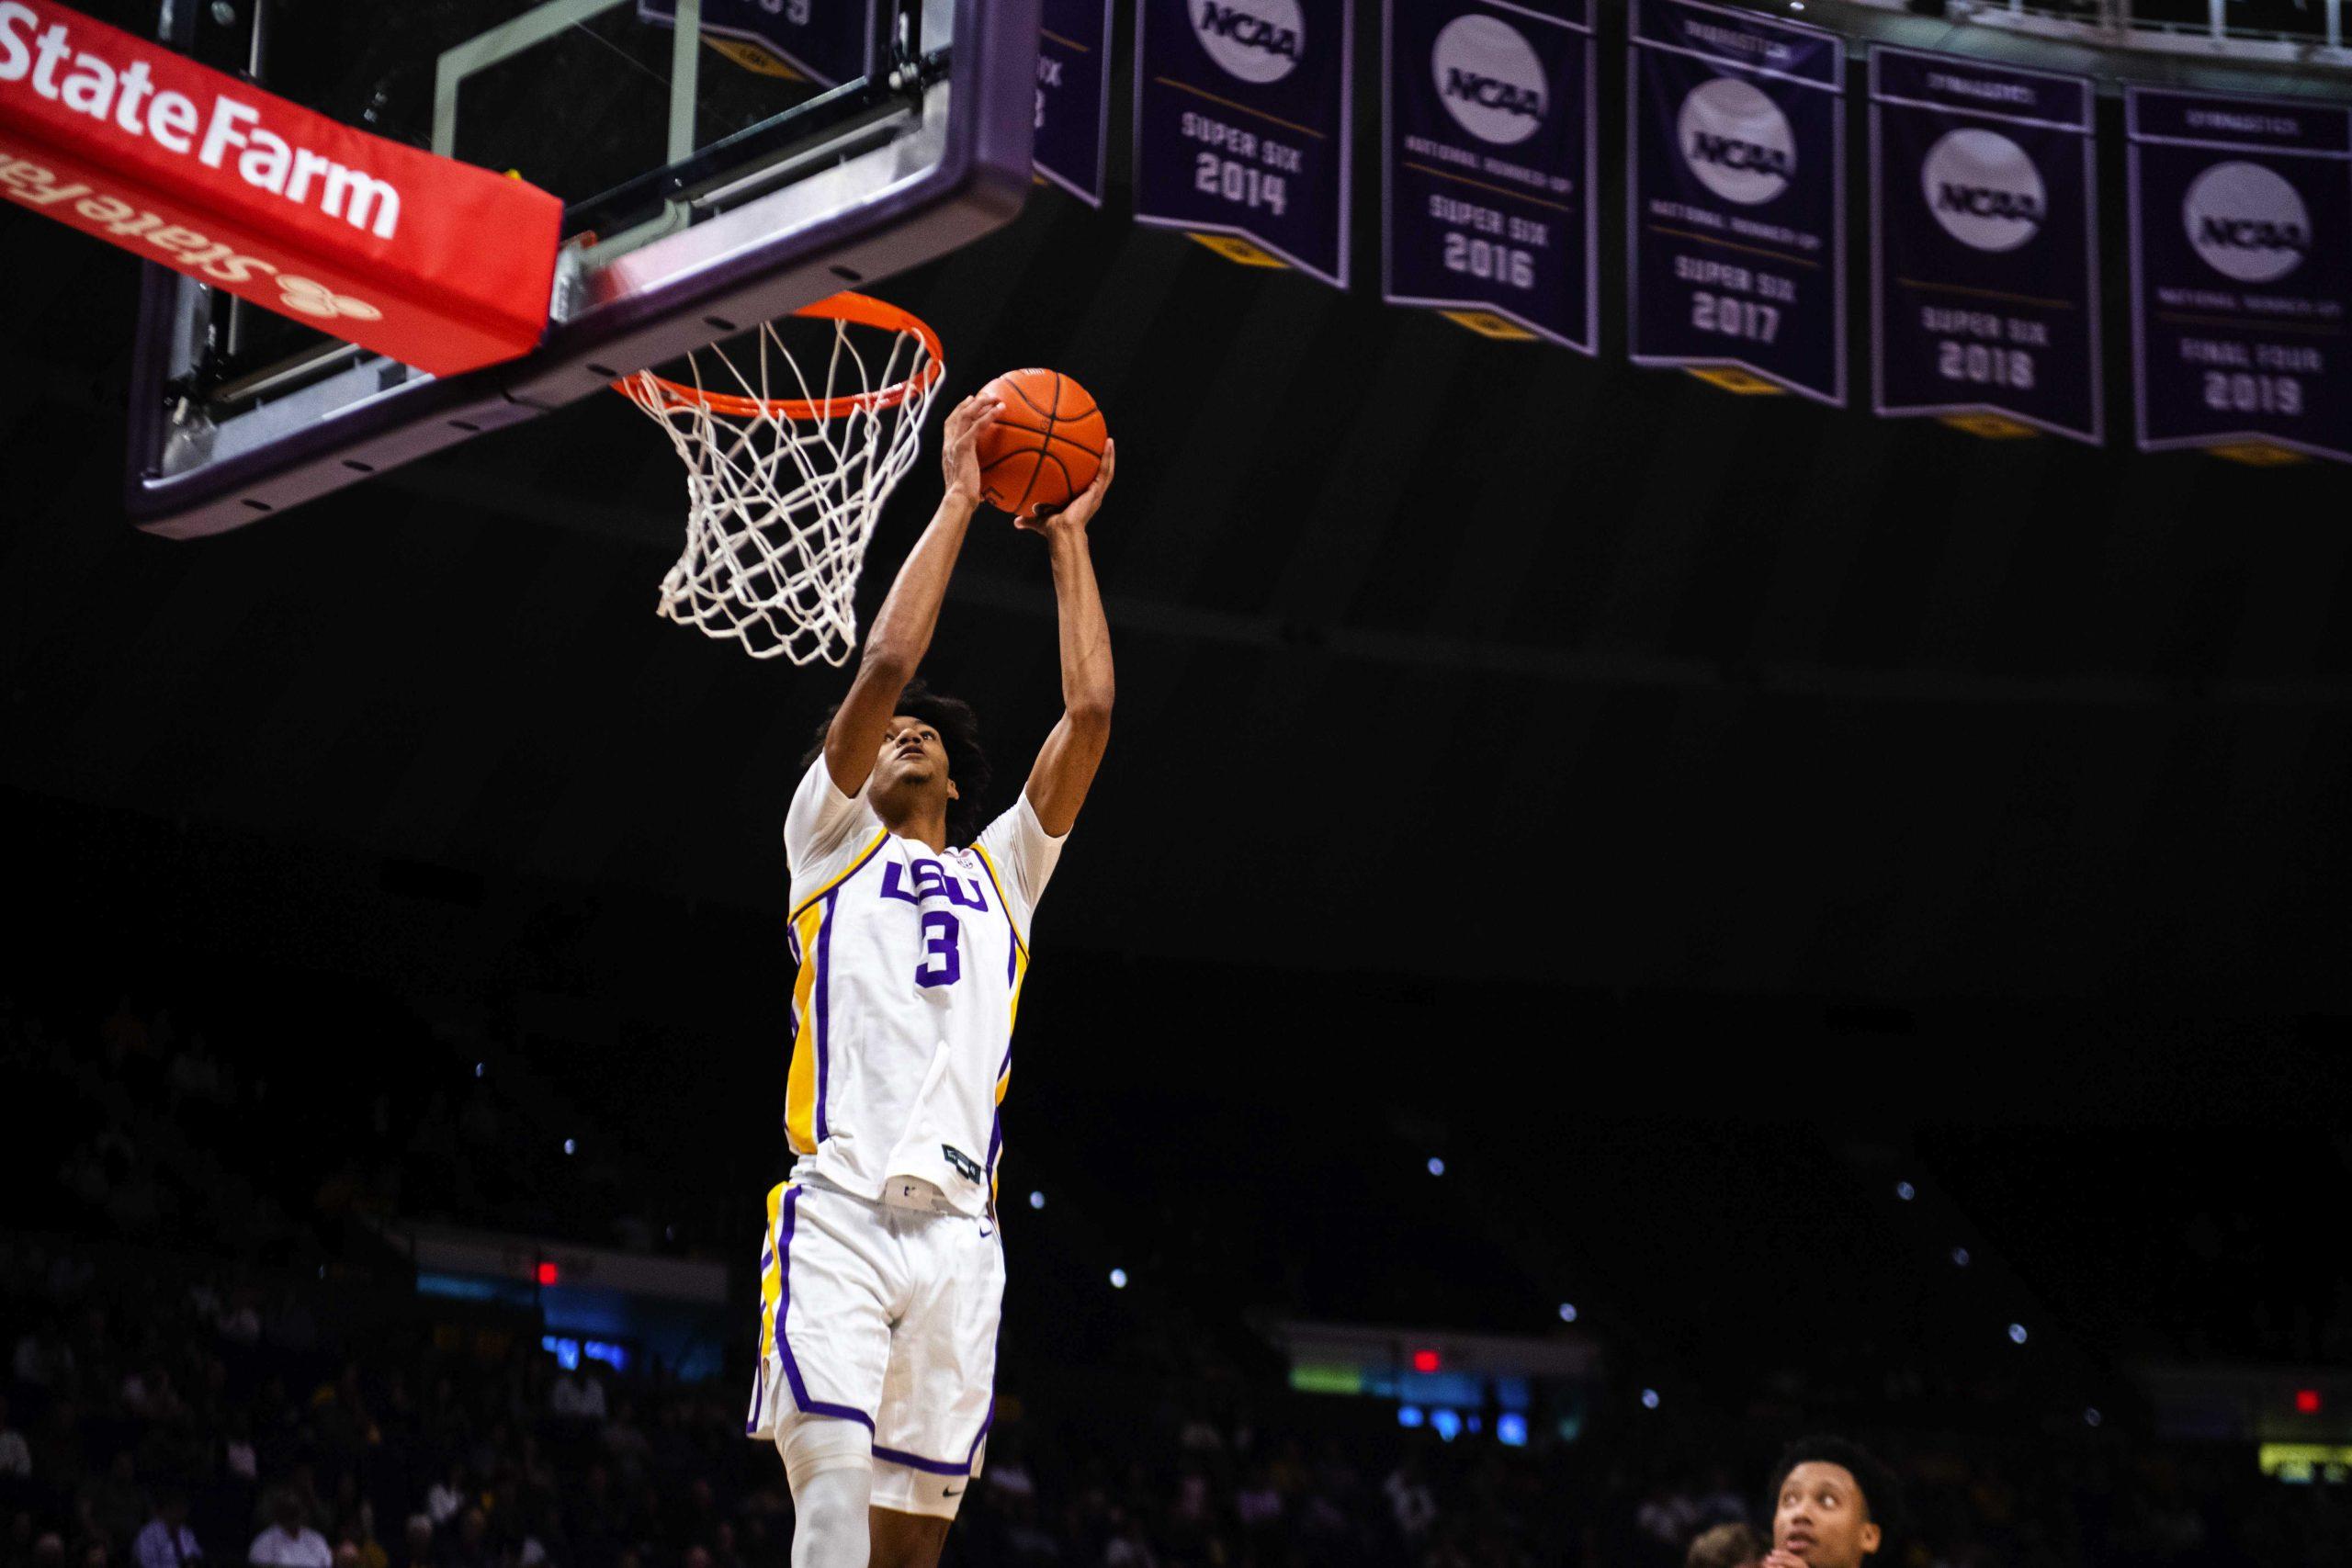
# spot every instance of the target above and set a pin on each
(860, 309)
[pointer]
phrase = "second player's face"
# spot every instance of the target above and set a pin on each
(911, 754)
(1819, 1517)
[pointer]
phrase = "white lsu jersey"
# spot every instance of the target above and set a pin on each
(911, 966)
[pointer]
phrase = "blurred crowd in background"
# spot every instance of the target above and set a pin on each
(210, 1362)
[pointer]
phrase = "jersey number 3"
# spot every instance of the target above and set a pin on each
(943, 960)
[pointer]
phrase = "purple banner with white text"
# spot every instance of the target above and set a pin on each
(1736, 198)
(1487, 165)
(2241, 231)
(1984, 245)
(1241, 127)
(1074, 96)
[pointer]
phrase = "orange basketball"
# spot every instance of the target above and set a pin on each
(1042, 450)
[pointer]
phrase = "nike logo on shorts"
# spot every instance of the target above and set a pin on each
(953, 1491)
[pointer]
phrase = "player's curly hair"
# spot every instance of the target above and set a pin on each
(1882, 1494)
(959, 734)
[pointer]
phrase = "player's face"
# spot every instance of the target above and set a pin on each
(1819, 1517)
(911, 754)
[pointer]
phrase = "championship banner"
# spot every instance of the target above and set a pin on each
(1241, 128)
(824, 41)
(1736, 203)
(1487, 165)
(434, 262)
(2241, 231)
(1074, 96)
(1983, 247)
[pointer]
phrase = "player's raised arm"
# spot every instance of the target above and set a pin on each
(1065, 768)
(900, 634)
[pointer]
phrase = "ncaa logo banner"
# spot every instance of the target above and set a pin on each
(824, 41)
(1984, 252)
(2240, 233)
(1736, 198)
(1074, 96)
(1488, 167)
(1241, 127)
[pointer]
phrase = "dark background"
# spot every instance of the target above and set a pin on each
(1685, 814)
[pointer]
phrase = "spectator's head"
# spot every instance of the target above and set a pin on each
(95, 1555)
(1726, 1546)
(49, 1551)
(420, 1538)
(286, 1511)
(697, 1557)
(171, 1506)
(347, 1553)
(1832, 1503)
(472, 1527)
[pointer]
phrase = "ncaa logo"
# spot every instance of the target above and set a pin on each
(1488, 79)
(1736, 141)
(1258, 41)
(2248, 222)
(1983, 188)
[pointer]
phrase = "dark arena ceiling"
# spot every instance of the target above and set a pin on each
(1438, 657)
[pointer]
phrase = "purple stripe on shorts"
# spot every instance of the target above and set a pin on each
(783, 1311)
(916, 1461)
(844, 1412)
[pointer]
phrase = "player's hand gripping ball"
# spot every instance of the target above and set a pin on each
(1041, 452)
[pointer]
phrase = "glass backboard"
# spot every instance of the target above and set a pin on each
(722, 163)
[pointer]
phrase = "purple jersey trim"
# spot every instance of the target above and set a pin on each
(824, 979)
(825, 1013)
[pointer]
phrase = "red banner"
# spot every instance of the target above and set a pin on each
(429, 261)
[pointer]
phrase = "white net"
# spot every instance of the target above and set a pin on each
(786, 471)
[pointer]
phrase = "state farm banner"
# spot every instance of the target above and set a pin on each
(824, 41)
(1074, 96)
(1736, 198)
(432, 262)
(1241, 126)
(1487, 164)
(1983, 243)
(2241, 236)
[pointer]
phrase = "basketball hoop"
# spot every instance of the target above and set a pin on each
(786, 471)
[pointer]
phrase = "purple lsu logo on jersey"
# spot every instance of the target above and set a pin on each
(919, 881)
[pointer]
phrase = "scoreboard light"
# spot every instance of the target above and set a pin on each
(2307, 1401)
(546, 1274)
(1430, 1362)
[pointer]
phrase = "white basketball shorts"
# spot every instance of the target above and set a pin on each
(886, 1317)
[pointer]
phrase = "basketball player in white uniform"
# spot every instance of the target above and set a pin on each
(881, 1272)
